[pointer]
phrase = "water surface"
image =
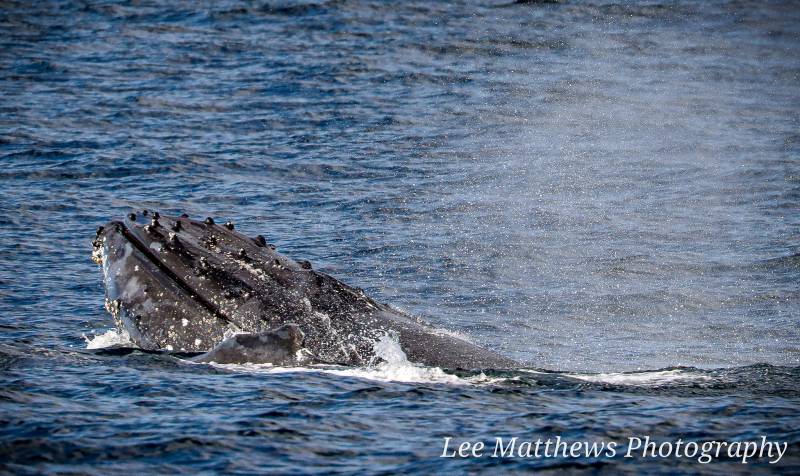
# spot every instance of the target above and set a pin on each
(589, 187)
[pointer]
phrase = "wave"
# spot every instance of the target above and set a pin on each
(391, 364)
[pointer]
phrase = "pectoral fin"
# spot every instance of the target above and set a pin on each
(279, 347)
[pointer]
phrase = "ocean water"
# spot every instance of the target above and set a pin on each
(606, 191)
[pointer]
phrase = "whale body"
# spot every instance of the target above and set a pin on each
(184, 285)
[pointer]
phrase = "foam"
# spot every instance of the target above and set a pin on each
(646, 378)
(109, 338)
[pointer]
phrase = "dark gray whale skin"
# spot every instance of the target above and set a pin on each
(184, 285)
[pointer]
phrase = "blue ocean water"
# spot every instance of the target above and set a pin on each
(609, 191)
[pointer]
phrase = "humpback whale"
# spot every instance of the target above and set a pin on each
(197, 286)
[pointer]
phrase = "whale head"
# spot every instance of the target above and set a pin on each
(186, 285)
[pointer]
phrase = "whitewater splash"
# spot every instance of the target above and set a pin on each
(107, 339)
